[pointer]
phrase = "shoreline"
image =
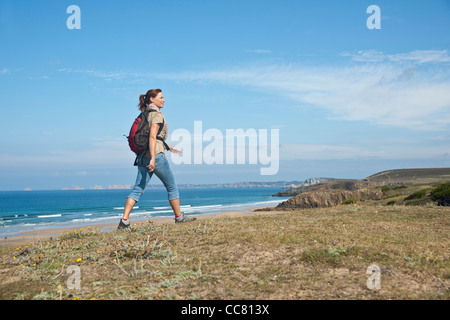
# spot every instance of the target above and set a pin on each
(29, 237)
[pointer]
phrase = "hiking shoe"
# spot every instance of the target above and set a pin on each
(123, 226)
(182, 218)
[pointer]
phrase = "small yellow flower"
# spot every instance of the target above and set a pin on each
(79, 259)
(76, 298)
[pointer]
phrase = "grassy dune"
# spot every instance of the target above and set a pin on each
(304, 254)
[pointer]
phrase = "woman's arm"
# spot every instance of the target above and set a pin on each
(154, 128)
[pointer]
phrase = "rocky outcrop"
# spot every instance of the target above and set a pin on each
(329, 198)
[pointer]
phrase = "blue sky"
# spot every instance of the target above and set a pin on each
(348, 101)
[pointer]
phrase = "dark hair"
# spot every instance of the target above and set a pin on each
(144, 99)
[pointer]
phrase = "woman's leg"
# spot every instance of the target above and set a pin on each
(142, 180)
(129, 204)
(175, 204)
(164, 173)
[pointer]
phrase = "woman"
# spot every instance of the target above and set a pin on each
(154, 160)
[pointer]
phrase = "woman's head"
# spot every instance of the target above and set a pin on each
(154, 96)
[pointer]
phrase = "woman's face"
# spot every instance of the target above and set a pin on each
(158, 100)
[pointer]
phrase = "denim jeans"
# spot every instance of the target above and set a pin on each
(162, 171)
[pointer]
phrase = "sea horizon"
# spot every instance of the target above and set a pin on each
(241, 184)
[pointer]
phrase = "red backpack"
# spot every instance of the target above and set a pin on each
(139, 134)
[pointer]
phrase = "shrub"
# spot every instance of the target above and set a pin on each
(350, 201)
(440, 192)
(417, 195)
(390, 203)
(385, 188)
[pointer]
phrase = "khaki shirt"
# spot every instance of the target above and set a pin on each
(157, 117)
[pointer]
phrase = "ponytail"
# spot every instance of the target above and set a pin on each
(142, 102)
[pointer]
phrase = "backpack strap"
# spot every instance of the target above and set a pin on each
(166, 146)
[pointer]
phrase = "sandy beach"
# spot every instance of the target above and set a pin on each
(41, 235)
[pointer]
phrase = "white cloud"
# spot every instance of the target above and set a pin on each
(367, 56)
(408, 90)
(416, 56)
(320, 152)
(422, 56)
(115, 75)
(384, 93)
(343, 152)
(258, 51)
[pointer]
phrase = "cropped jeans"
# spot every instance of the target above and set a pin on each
(162, 171)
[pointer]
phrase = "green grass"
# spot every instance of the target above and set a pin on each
(303, 254)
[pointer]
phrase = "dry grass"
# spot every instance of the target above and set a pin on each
(305, 254)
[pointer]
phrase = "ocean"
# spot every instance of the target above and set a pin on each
(25, 211)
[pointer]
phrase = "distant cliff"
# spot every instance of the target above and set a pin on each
(275, 184)
(326, 185)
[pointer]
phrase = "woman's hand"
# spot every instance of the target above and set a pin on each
(176, 150)
(151, 166)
